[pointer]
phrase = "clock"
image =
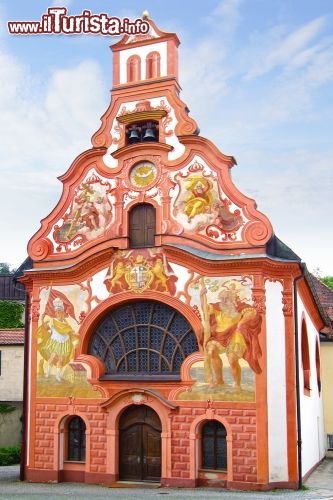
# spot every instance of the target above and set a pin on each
(143, 174)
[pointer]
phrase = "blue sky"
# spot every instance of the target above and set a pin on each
(257, 76)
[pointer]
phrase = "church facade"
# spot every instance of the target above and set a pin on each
(172, 337)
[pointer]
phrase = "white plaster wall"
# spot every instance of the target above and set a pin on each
(11, 378)
(160, 47)
(98, 288)
(312, 419)
(276, 384)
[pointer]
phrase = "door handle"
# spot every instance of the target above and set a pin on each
(139, 460)
(144, 460)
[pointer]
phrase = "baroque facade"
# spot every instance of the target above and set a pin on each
(172, 337)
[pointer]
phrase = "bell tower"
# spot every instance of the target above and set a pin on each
(145, 105)
(145, 59)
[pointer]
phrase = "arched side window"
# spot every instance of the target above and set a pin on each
(305, 359)
(134, 69)
(76, 440)
(153, 65)
(142, 226)
(214, 446)
(318, 367)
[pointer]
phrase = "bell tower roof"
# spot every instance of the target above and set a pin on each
(143, 58)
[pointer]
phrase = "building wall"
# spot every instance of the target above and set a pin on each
(276, 382)
(177, 454)
(11, 426)
(326, 350)
(312, 418)
(11, 378)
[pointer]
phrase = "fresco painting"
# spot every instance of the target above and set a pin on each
(232, 352)
(201, 206)
(140, 270)
(88, 216)
(57, 335)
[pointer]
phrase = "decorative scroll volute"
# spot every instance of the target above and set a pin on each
(258, 294)
(287, 303)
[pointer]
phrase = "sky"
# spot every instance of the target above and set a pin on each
(257, 76)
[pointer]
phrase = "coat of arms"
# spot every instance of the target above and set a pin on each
(139, 275)
(139, 271)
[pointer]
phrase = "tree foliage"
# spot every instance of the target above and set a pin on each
(11, 314)
(10, 455)
(328, 280)
(5, 268)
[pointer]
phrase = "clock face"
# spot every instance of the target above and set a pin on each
(143, 174)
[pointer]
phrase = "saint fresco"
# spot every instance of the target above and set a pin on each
(58, 374)
(232, 351)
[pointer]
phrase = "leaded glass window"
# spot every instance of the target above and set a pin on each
(143, 338)
(76, 440)
(214, 446)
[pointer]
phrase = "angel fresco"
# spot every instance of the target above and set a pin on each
(89, 214)
(199, 197)
(201, 206)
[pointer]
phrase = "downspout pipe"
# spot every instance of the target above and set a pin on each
(298, 396)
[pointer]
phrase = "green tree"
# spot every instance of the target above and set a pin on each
(4, 268)
(11, 314)
(328, 280)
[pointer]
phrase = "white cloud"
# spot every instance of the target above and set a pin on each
(287, 49)
(44, 125)
(226, 16)
(61, 3)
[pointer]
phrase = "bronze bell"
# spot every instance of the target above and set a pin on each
(133, 136)
(149, 135)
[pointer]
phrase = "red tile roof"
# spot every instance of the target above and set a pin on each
(12, 336)
(325, 295)
(77, 367)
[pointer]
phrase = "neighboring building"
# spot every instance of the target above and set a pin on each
(11, 385)
(11, 368)
(196, 328)
(325, 296)
(10, 290)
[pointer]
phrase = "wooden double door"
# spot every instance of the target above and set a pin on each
(140, 444)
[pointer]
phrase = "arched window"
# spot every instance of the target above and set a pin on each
(142, 226)
(76, 440)
(134, 69)
(153, 65)
(214, 446)
(305, 359)
(144, 338)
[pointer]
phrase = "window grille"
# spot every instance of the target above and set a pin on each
(76, 440)
(214, 446)
(144, 337)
